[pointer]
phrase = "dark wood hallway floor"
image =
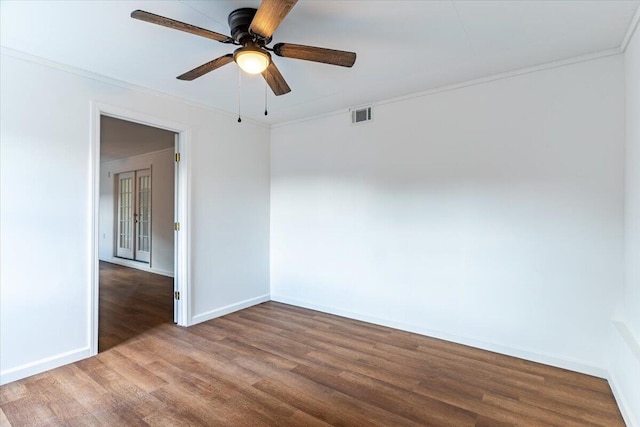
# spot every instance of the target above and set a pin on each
(131, 302)
(279, 365)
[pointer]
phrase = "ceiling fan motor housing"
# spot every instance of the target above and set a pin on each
(239, 22)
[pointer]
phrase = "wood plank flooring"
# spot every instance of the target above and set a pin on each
(131, 302)
(279, 365)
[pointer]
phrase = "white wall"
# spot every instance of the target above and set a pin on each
(632, 187)
(46, 207)
(161, 164)
(490, 214)
(624, 361)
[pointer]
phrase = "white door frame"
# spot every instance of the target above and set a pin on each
(181, 241)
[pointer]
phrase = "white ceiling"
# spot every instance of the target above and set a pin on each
(403, 47)
(120, 139)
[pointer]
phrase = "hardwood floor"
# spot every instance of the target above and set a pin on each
(275, 364)
(131, 302)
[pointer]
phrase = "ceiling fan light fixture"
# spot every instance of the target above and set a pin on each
(252, 59)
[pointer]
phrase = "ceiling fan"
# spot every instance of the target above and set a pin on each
(252, 30)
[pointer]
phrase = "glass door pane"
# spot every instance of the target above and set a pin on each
(125, 219)
(143, 218)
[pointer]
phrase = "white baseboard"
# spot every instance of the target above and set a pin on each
(203, 317)
(32, 368)
(623, 403)
(138, 266)
(624, 372)
(547, 359)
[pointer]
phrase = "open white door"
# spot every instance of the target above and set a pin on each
(176, 250)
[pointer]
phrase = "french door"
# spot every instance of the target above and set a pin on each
(133, 226)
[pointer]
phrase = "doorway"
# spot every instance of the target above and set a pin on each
(140, 204)
(137, 196)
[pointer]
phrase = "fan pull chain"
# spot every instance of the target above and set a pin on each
(265, 98)
(239, 92)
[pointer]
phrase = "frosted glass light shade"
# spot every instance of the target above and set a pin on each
(252, 60)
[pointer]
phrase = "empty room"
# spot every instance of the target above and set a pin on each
(320, 212)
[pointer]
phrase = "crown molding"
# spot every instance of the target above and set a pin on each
(632, 28)
(108, 80)
(120, 83)
(460, 85)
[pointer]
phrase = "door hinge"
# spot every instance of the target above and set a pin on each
(176, 295)
(177, 157)
(176, 226)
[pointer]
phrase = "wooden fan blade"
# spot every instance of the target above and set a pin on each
(275, 80)
(177, 25)
(269, 16)
(205, 68)
(316, 54)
